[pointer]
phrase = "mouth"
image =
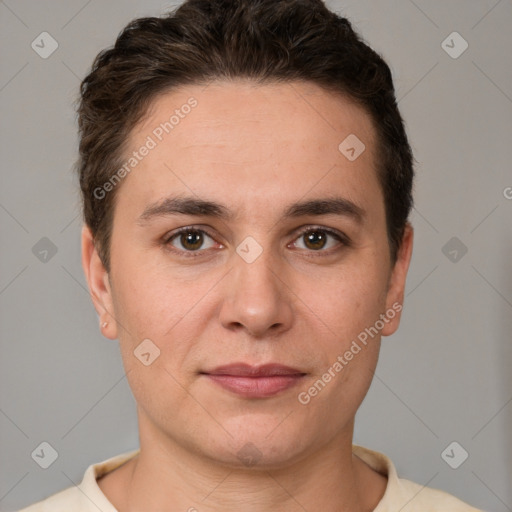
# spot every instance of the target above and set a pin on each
(255, 381)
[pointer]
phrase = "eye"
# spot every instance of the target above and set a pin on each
(317, 239)
(190, 240)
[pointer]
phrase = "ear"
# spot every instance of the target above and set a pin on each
(99, 284)
(396, 286)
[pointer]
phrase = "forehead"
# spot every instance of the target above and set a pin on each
(264, 143)
(245, 107)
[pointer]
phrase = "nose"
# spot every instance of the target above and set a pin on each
(256, 297)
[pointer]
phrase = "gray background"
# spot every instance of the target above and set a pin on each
(444, 377)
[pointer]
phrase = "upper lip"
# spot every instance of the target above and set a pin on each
(247, 370)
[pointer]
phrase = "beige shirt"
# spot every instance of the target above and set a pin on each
(401, 495)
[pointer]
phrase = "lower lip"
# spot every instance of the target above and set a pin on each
(256, 387)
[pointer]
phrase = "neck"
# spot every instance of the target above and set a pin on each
(165, 476)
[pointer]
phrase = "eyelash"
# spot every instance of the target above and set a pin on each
(344, 240)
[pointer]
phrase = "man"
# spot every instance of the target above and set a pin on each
(246, 183)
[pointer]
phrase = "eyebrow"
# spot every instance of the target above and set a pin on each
(200, 207)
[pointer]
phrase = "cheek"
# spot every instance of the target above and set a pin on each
(356, 376)
(163, 314)
(152, 301)
(345, 301)
(347, 306)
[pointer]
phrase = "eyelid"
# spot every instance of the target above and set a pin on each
(185, 229)
(341, 237)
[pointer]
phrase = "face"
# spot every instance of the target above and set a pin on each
(282, 258)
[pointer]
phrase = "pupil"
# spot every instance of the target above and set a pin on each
(314, 237)
(192, 240)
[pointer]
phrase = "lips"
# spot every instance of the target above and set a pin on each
(246, 370)
(255, 381)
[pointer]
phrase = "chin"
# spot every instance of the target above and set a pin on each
(256, 442)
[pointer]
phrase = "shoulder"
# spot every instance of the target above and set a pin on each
(414, 497)
(407, 496)
(87, 496)
(63, 501)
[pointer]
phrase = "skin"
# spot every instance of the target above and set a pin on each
(256, 149)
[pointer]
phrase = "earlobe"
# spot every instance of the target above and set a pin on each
(99, 284)
(396, 288)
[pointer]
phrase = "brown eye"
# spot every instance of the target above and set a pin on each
(320, 240)
(315, 239)
(189, 240)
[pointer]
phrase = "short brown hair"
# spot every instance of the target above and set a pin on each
(262, 40)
